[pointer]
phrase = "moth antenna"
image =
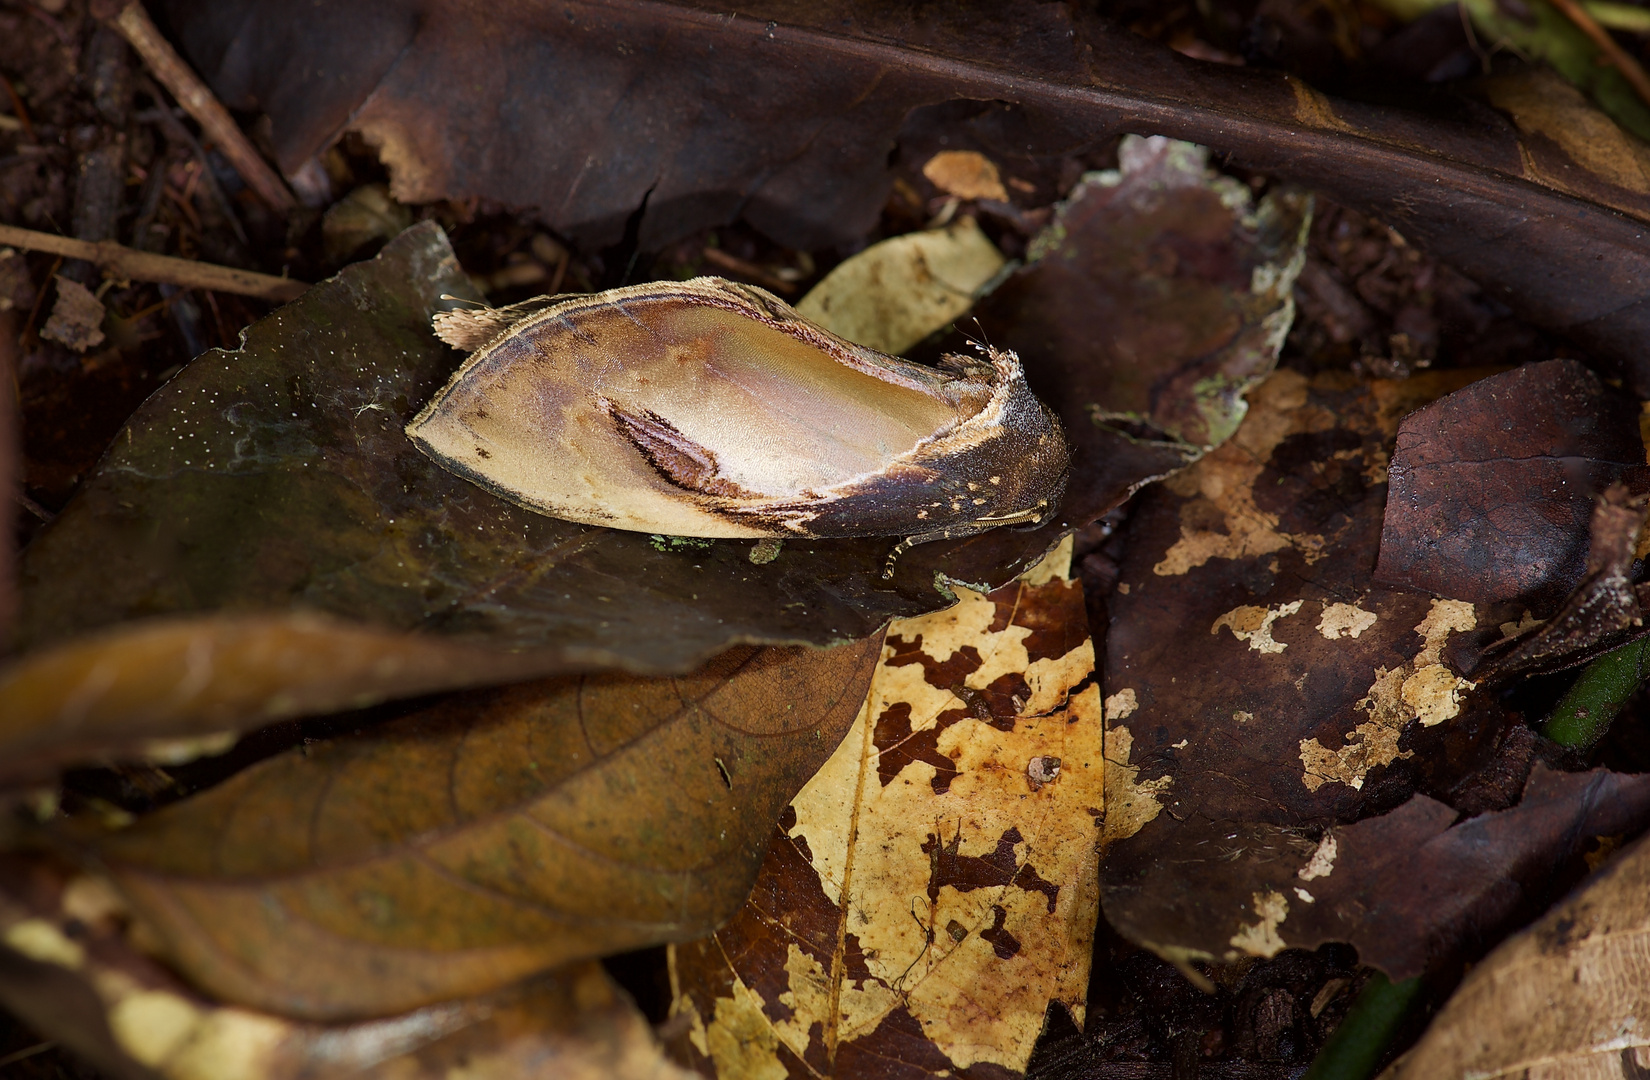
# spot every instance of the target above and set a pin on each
(465, 300)
(982, 343)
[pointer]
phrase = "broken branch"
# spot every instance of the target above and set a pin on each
(164, 269)
(172, 72)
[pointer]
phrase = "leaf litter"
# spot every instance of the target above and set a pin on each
(1494, 757)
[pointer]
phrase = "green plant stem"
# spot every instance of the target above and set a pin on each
(1356, 1047)
(1584, 713)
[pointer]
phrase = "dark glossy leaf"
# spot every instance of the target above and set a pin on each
(486, 838)
(784, 114)
(1603, 613)
(1492, 487)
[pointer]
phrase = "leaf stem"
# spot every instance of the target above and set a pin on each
(1356, 1047)
(1584, 713)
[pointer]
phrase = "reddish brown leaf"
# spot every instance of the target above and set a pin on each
(783, 114)
(1492, 487)
(1603, 613)
(488, 837)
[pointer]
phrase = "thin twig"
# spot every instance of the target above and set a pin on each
(142, 266)
(20, 110)
(197, 99)
(1619, 57)
(11, 469)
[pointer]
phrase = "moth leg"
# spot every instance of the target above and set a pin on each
(953, 532)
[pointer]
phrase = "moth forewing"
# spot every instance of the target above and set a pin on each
(706, 408)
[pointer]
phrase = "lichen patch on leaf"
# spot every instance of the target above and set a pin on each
(1261, 938)
(1345, 620)
(1254, 625)
(1119, 705)
(1130, 801)
(1422, 689)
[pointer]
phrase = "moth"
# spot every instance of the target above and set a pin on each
(708, 408)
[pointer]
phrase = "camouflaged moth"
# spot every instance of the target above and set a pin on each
(709, 408)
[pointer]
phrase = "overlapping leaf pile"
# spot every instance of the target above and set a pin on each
(1330, 760)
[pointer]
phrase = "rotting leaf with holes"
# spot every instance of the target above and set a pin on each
(1315, 697)
(262, 540)
(69, 965)
(784, 114)
(1492, 487)
(1159, 295)
(485, 838)
(932, 890)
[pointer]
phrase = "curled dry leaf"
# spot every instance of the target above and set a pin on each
(1564, 999)
(486, 838)
(1315, 696)
(69, 966)
(783, 114)
(931, 891)
(263, 524)
(1156, 298)
(893, 294)
(1492, 487)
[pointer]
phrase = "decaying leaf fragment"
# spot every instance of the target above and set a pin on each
(68, 965)
(708, 408)
(1159, 295)
(932, 889)
(485, 838)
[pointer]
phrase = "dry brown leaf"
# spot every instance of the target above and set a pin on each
(1564, 1000)
(486, 838)
(933, 888)
(67, 968)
